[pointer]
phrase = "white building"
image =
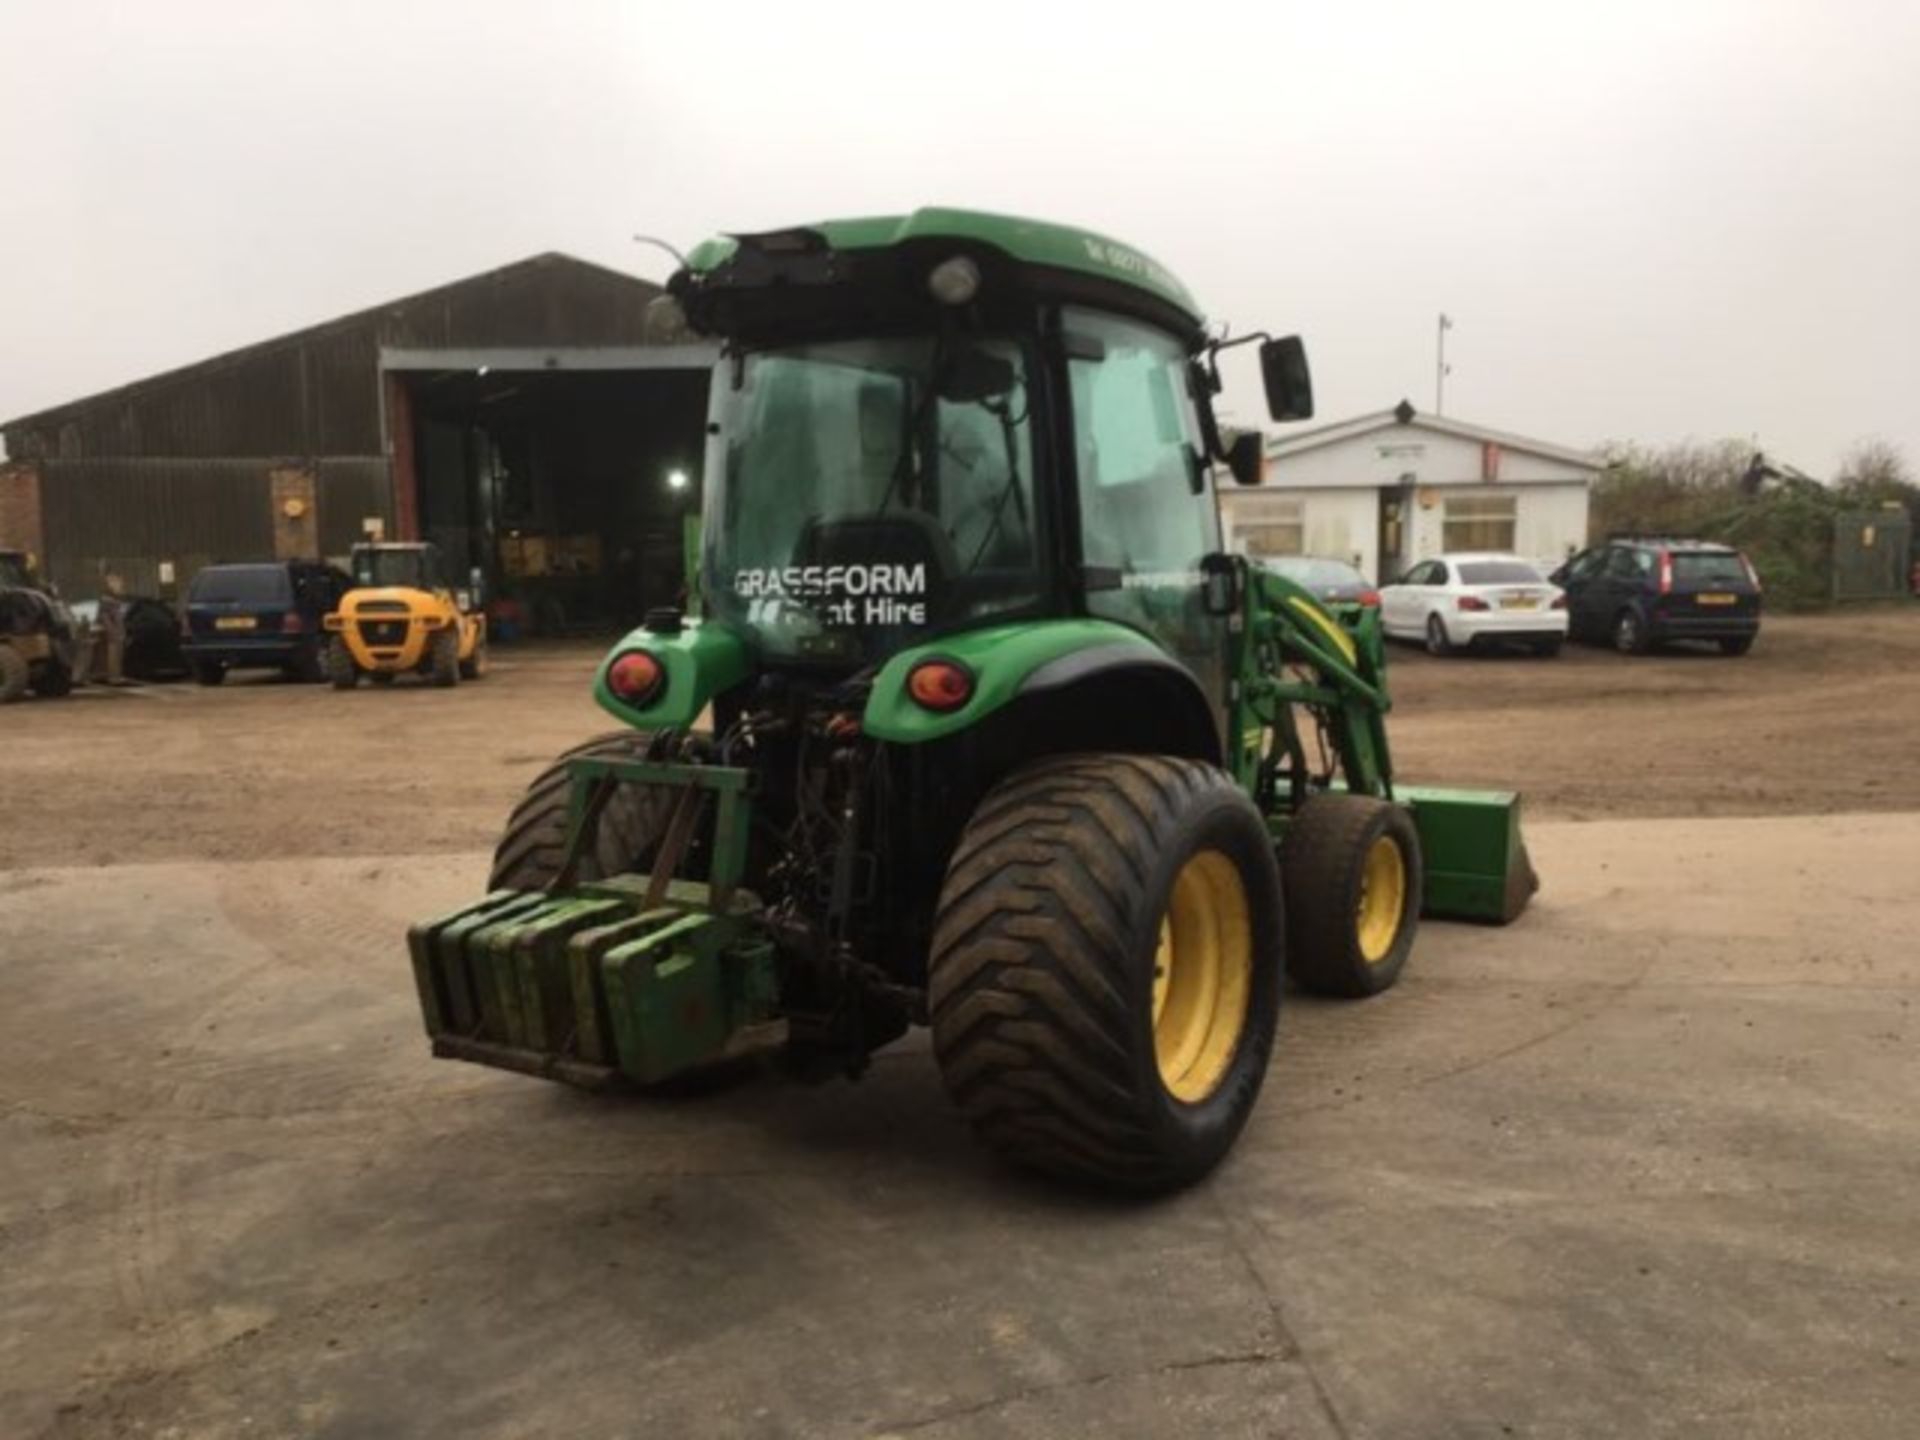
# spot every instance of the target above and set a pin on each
(1384, 490)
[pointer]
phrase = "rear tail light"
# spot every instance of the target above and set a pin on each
(637, 678)
(1559, 602)
(940, 685)
(1666, 572)
(1370, 598)
(292, 624)
(1472, 602)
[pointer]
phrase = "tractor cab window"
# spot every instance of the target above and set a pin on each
(871, 492)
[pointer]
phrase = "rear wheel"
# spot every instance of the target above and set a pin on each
(1547, 649)
(1353, 875)
(443, 659)
(1629, 633)
(342, 673)
(1437, 641)
(1106, 965)
(14, 674)
(53, 679)
(1736, 644)
(534, 845)
(474, 667)
(209, 672)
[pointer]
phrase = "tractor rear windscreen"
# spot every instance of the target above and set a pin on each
(869, 493)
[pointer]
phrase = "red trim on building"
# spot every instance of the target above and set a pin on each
(400, 459)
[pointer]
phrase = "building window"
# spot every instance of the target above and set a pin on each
(1280, 530)
(1478, 522)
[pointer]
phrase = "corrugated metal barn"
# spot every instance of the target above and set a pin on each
(518, 418)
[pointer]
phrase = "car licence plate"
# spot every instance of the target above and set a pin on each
(1520, 602)
(1715, 599)
(234, 622)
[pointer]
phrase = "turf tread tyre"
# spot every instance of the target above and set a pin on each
(1041, 967)
(534, 844)
(1321, 863)
(15, 674)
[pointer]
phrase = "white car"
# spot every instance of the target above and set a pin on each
(1453, 602)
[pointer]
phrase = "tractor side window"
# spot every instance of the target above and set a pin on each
(1147, 513)
(1137, 449)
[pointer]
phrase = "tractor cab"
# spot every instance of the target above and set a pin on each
(404, 617)
(926, 426)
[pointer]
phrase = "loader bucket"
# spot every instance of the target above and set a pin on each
(1477, 866)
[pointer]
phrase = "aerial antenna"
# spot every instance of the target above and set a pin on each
(656, 241)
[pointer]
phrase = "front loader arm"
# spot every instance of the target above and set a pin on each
(1289, 650)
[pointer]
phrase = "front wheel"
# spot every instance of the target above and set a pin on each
(1354, 878)
(443, 658)
(209, 672)
(15, 674)
(1104, 980)
(474, 667)
(53, 680)
(342, 673)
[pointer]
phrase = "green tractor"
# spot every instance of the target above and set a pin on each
(974, 726)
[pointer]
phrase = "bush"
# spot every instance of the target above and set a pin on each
(1783, 522)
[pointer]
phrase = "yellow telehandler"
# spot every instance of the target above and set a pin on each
(402, 616)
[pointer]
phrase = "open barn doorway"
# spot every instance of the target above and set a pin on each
(569, 490)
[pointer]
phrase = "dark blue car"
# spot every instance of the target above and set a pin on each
(260, 617)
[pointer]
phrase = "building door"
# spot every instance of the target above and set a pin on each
(1392, 548)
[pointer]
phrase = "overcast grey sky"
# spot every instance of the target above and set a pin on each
(1650, 221)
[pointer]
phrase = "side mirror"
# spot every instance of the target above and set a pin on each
(1283, 369)
(1220, 584)
(1247, 458)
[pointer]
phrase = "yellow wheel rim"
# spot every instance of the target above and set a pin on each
(1202, 977)
(1383, 899)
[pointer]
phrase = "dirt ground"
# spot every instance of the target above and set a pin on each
(1814, 721)
(1642, 1164)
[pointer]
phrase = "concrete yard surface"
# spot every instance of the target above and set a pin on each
(1644, 1164)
